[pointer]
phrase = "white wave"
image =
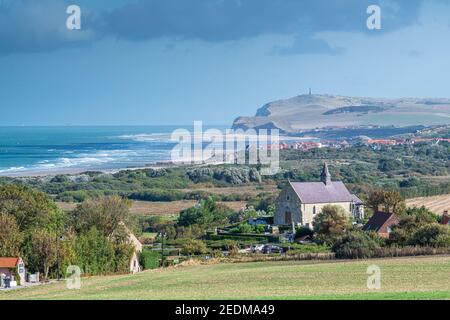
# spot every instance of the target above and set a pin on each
(202, 136)
(12, 169)
(147, 137)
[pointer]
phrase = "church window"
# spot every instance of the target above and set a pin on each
(314, 210)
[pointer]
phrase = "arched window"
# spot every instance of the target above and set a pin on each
(314, 210)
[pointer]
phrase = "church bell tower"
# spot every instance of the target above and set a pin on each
(325, 176)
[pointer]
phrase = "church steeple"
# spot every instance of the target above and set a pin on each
(325, 176)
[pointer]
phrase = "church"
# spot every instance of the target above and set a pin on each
(300, 202)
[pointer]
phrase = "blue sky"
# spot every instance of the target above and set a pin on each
(176, 61)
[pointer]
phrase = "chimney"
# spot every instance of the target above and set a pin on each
(445, 218)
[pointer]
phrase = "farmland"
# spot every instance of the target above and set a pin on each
(436, 204)
(265, 280)
(160, 207)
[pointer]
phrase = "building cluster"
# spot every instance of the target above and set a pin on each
(362, 140)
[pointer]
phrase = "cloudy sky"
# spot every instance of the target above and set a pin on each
(176, 61)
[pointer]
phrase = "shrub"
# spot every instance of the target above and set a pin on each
(355, 245)
(149, 259)
(433, 235)
(194, 247)
(331, 223)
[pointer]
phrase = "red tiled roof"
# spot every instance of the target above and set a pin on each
(9, 262)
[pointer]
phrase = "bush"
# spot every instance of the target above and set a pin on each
(194, 247)
(206, 214)
(330, 224)
(355, 245)
(433, 235)
(149, 259)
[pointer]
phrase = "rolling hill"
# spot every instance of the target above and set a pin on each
(314, 111)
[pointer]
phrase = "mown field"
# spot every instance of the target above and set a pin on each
(160, 207)
(436, 204)
(401, 278)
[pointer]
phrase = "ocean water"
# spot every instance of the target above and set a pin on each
(31, 150)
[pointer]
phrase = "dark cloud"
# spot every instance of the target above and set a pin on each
(28, 26)
(36, 26)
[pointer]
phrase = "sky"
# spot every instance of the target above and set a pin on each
(171, 62)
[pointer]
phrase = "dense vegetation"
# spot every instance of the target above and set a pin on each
(93, 236)
(413, 170)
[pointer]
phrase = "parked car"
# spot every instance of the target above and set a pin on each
(269, 248)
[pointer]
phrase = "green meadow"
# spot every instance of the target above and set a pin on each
(401, 278)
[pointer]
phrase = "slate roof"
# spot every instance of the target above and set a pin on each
(379, 219)
(356, 199)
(319, 192)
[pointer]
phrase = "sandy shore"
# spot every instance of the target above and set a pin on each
(75, 171)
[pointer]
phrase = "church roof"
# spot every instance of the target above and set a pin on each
(319, 192)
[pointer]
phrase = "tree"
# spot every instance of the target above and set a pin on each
(375, 199)
(31, 208)
(433, 235)
(10, 236)
(105, 214)
(43, 251)
(206, 213)
(394, 202)
(331, 223)
(95, 253)
(389, 201)
(123, 249)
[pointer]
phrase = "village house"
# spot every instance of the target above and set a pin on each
(300, 202)
(12, 268)
(134, 262)
(382, 223)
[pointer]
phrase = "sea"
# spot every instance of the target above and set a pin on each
(46, 150)
(28, 150)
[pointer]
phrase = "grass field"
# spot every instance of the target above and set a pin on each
(401, 278)
(435, 204)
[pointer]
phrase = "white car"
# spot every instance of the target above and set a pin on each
(257, 248)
